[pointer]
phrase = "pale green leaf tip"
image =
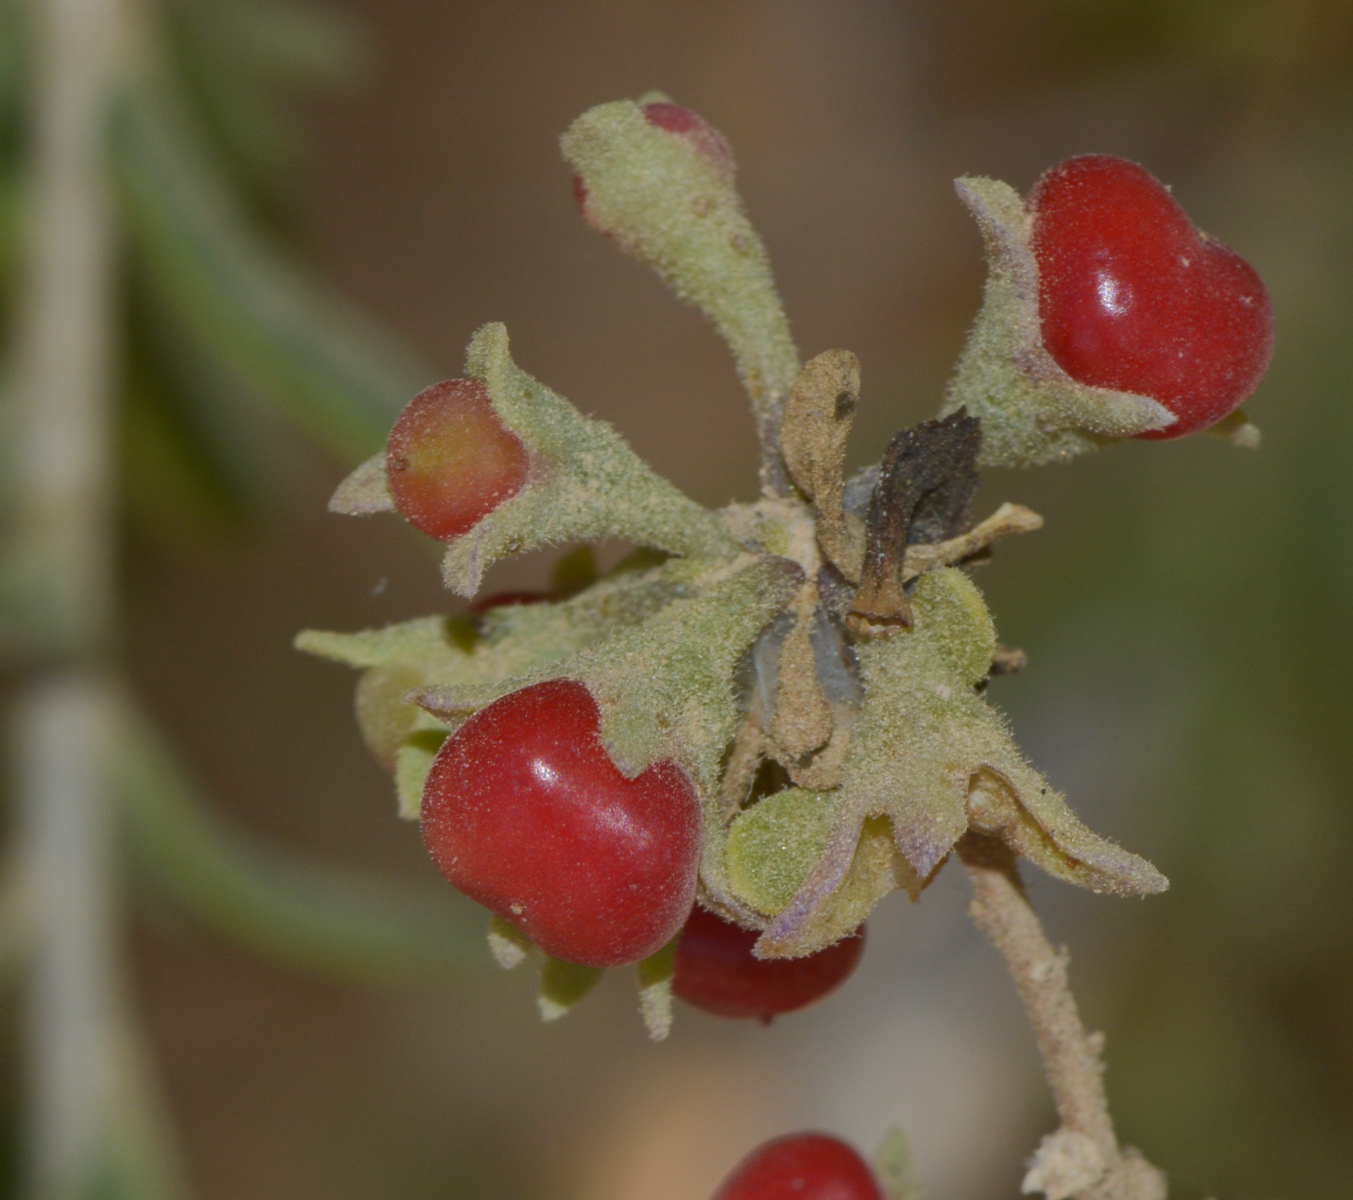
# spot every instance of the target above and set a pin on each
(508, 944)
(365, 491)
(563, 986)
(654, 975)
(1238, 430)
(893, 1163)
(413, 761)
(551, 1010)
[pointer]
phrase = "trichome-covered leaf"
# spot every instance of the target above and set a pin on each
(665, 686)
(668, 204)
(584, 483)
(932, 757)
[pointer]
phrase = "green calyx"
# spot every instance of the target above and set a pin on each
(826, 634)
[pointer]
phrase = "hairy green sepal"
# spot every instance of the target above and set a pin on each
(665, 686)
(663, 202)
(654, 977)
(585, 483)
(929, 758)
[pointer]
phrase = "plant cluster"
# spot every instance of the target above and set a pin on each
(715, 759)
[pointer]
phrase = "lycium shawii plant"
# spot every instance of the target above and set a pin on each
(767, 718)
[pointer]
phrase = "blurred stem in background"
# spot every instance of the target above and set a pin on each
(63, 531)
(148, 309)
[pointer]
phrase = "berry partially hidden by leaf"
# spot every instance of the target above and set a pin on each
(525, 812)
(451, 461)
(802, 1166)
(716, 970)
(692, 128)
(1134, 298)
(506, 600)
(683, 122)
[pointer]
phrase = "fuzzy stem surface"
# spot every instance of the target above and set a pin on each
(1065, 1165)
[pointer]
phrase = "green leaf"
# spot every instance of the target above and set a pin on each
(564, 985)
(508, 944)
(896, 1171)
(365, 491)
(774, 846)
(665, 685)
(413, 761)
(477, 654)
(243, 63)
(837, 874)
(654, 976)
(386, 719)
(408, 643)
(185, 467)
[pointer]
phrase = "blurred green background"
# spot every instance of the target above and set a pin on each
(1187, 608)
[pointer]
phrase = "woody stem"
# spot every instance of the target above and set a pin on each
(1071, 1062)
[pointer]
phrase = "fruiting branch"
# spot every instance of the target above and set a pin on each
(803, 676)
(1083, 1158)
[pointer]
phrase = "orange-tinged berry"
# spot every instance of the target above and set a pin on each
(451, 461)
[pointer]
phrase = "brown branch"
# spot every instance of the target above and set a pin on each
(1082, 1159)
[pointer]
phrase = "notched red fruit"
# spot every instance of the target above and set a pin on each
(716, 970)
(451, 461)
(525, 812)
(802, 1166)
(1134, 298)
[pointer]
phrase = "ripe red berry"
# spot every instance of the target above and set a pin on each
(716, 970)
(451, 461)
(525, 812)
(1133, 297)
(801, 1166)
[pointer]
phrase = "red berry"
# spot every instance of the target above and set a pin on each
(525, 812)
(451, 461)
(801, 1166)
(1133, 297)
(505, 600)
(716, 970)
(689, 125)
